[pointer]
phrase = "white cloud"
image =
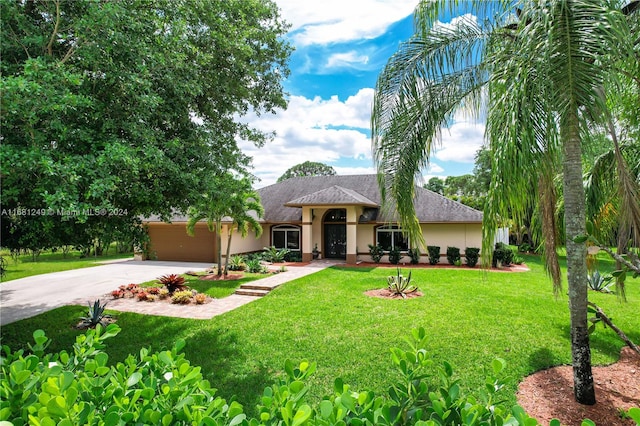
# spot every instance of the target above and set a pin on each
(461, 142)
(347, 59)
(330, 21)
(321, 130)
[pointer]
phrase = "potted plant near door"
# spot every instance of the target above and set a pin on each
(316, 252)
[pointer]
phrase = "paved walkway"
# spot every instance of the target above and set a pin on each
(27, 297)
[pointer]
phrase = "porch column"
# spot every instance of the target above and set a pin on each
(352, 235)
(307, 234)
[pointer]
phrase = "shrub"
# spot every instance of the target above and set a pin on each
(144, 296)
(118, 294)
(471, 255)
(503, 254)
(453, 255)
(517, 260)
(200, 298)
(414, 255)
(525, 248)
(95, 315)
(293, 256)
(376, 252)
(237, 263)
(254, 265)
(395, 255)
(274, 255)
(434, 254)
(82, 387)
(182, 297)
(400, 285)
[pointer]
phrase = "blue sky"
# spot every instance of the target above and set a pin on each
(340, 48)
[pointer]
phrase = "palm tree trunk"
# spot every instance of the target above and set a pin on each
(574, 217)
(226, 258)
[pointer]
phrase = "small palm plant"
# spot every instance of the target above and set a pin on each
(173, 282)
(95, 316)
(399, 285)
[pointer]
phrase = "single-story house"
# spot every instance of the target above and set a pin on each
(337, 215)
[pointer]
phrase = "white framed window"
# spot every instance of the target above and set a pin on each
(286, 237)
(391, 236)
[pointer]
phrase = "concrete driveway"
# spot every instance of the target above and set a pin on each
(28, 297)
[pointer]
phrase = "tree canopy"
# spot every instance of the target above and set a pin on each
(308, 168)
(545, 74)
(113, 110)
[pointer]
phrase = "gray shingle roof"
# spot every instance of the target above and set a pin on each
(361, 190)
(335, 195)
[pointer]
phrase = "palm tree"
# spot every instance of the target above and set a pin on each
(537, 74)
(213, 206)
(242, 202)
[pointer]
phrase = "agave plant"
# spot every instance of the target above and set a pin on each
(599, 282)
(173, 282)
(400, 285)
(95, 316)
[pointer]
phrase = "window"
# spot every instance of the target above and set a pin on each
(286, 237)
(392, 236)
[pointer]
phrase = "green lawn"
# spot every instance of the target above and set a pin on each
(472, 317)
(26, 266)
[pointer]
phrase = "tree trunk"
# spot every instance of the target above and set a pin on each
(219, 248)
(574, 217)
(226, 258)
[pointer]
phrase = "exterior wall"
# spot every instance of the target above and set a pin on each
(171, 242)
(243, 245)
(444, 235)
(461, 235)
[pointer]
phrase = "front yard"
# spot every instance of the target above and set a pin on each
(472, 317)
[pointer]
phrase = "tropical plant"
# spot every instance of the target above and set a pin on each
(182, 297)
(376, 252)
(414, 398)
(95, 315)
(599, 282)
(541, 72)
(173, 282)
(453, 255)
(414, 255)
(471, 255)
(200, 298)
(400, 285)
(237, 263)
(254, 265)
(241, 202)
(434, 254)
(395, 255)
(274, 255)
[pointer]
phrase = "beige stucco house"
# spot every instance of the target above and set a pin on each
(340, 215)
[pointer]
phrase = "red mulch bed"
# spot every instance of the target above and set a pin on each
(215, 277)
(384, 293)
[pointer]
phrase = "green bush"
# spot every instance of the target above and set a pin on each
(395, 255)
(453, 255)
(471, 256)
(237, 263)
(163, 388)
(434, 254)
(414, 254)
(376, 252)
(503, 254)
(254, 265)
(274, 255)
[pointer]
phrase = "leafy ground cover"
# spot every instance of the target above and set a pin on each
(25, 266)
(471, 318)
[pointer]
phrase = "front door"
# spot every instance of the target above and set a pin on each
(335, 234)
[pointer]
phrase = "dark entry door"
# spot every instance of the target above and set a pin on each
(335, 241)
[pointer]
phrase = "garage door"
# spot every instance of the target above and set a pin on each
(171, 242)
